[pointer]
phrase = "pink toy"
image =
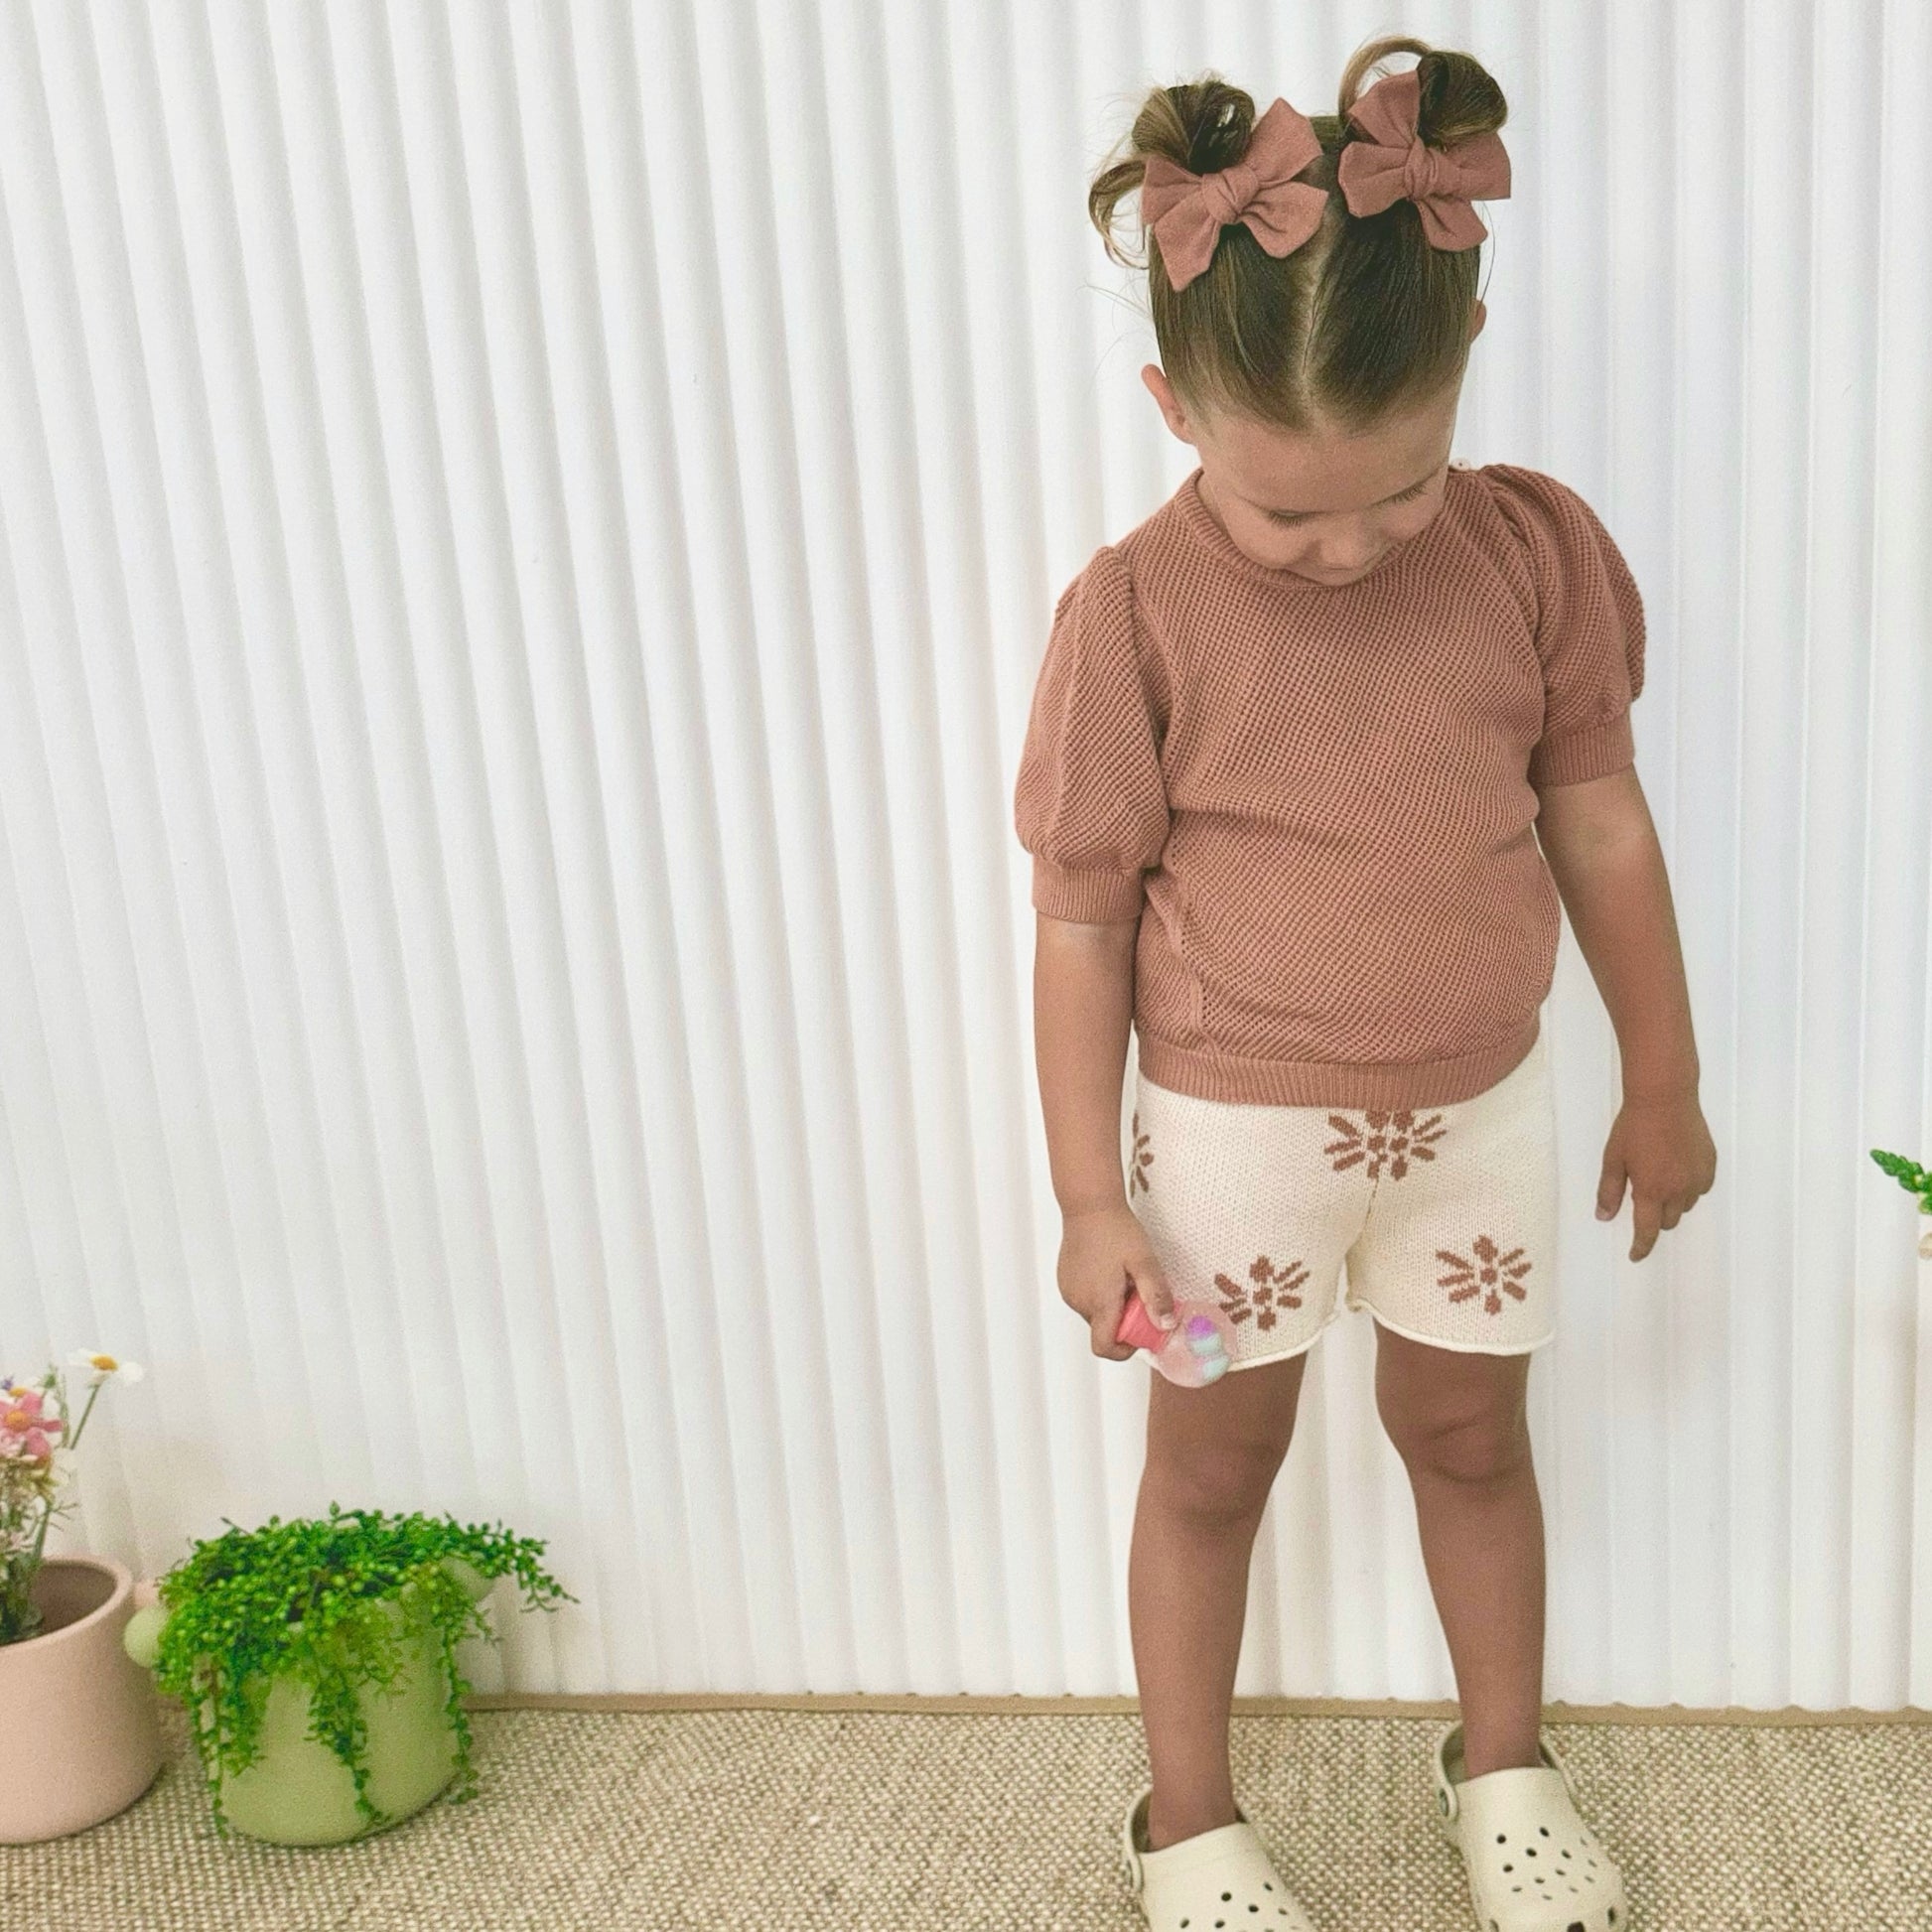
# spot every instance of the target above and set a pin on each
(1192, 1353)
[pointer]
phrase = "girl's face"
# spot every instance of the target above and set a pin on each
(1320, 504)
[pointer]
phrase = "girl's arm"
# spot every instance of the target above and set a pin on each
(1602, 851)
(1084, 1006)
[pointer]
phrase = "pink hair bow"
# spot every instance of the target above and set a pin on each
(1394, 164)
(1186, 211)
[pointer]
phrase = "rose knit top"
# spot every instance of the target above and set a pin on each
(1318, 800)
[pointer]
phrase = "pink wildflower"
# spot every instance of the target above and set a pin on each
(26, 1430)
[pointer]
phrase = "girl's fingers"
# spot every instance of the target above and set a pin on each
(1610, 1188)
(1643, 1215)
(1105, 1330)
(1154, 1288)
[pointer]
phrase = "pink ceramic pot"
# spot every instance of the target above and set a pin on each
(83, 1708)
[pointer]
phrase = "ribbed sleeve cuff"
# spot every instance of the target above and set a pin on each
(1088, 895)
(1591, 753)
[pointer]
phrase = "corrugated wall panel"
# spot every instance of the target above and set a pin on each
(526, 533)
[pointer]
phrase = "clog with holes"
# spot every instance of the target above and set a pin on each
(1220, 1880)
(1533, 1865)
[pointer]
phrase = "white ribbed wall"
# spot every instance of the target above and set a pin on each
(526, 532)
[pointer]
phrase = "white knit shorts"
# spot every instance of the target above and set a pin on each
(1446, 1216)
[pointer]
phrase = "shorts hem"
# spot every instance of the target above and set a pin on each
(1287, 1354)
(1456, 1348)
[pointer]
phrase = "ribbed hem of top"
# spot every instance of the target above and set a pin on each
(1334, 1083)
(1090, 895)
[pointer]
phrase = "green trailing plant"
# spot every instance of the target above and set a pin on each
(332, 1602)
(1909, 1175)
(1916, 1180)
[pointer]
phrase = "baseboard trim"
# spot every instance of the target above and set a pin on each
(1081, 1707)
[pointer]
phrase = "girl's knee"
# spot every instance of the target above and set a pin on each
(1223, 1482)
(1212, 1453)
(1465, 1436)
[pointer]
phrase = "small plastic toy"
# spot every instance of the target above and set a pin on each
(1192, 1353)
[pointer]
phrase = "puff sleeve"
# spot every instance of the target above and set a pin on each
(1589, 627)
(1088, 802)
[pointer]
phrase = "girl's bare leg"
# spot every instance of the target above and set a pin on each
(1211, 1459)
(1461, 1425)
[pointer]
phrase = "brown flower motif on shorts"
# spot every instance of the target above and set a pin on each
(1142, 1159)
(1386, 1138)
(1274, 1289)
(1491, 1275)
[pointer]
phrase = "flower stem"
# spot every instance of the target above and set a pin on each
(46, 1507)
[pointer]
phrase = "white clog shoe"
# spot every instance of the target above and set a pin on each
(1221, 1880)
(1533, 1865)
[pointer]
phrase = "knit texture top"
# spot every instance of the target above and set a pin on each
(1318, 800)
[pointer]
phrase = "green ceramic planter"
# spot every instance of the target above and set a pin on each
(298, 1791)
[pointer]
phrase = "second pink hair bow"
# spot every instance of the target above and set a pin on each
(1187, 211)
(1393, 163)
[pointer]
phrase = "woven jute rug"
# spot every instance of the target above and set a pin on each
(774, 1821)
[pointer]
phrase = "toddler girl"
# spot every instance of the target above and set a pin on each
(1313, 750)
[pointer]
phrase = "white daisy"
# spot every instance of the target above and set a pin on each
(101, 1365)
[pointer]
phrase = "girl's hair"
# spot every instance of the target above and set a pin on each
(1364, 318)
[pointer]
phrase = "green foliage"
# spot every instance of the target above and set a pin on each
(331, 1601)
(1909, 1175)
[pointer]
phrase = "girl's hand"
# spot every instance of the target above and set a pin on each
(1105, 1254)
(1662, 1146)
